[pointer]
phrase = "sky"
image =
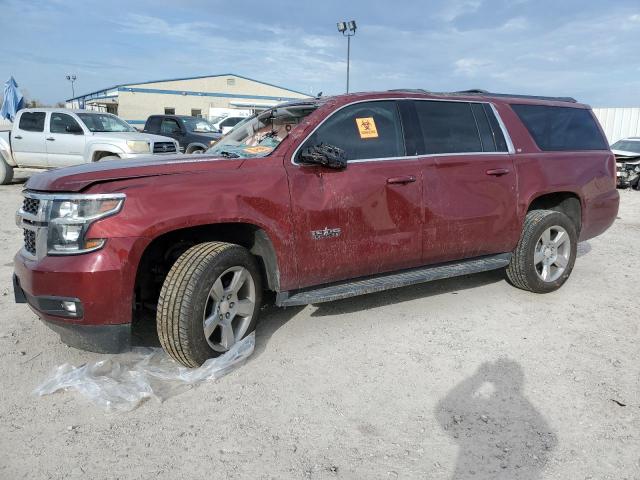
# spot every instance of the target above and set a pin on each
(587, 49)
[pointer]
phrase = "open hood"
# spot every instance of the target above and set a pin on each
(622, 155)
(80, 177)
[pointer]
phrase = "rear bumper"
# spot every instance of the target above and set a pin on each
(87, 299)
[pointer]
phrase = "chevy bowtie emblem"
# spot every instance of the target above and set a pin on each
(326, 233)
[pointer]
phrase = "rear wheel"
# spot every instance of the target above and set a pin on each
(546, 252)
(208, 302)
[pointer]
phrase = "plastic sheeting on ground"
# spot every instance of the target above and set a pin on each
(122, 382)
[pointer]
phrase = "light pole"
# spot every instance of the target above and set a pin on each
(348, 29)
(72, 79)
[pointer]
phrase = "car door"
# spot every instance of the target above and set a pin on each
(364, 219)
(65, 141)
(170, 127)
(469, 179)
(28, 140)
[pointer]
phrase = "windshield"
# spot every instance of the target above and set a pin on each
(627, 146)
(258, 136)
(105, 122)
(199, 125)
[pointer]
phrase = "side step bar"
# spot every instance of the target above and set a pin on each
(378, 283)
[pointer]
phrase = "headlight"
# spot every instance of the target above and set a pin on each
(139, 146)
(70, 218)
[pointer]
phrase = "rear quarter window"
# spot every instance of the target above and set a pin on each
(561, 128)
(32, 121)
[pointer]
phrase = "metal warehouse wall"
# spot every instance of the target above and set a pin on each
(619, 123)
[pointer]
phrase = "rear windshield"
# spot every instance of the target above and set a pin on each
(561, 128)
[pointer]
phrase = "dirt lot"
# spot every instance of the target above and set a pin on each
(463, 378)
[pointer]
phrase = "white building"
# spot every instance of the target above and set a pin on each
(134, 102)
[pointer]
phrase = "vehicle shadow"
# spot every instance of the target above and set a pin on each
(405, 294)
(272, 318)
(500, 434)
(583, 249)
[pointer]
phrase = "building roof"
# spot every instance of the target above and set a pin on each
(185, 78)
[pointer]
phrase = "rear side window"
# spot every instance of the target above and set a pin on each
(447, 127)
(367, 130)
(561, 128)
(32, 121)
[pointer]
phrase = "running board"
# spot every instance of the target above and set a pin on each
(337, 291)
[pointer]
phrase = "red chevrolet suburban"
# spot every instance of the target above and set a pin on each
(315, 200)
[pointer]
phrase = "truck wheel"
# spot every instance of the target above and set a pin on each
(6, 172)
(546, 252)
(209, 301)
(102, 156)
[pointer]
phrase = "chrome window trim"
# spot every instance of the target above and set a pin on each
(505, 133)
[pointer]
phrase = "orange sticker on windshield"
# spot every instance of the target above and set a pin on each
(367, 127)
(258, 149)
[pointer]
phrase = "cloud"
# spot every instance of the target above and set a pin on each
(470, 66)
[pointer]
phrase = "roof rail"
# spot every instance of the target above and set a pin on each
(409, 90)
(477, 91)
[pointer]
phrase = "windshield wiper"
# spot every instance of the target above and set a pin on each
(229, 154)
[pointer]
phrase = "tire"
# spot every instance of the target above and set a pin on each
(106, 156)
(189, 303)
(527, 267)
(6, 172)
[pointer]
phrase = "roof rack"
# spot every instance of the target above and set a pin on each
(409, 90)
(477, 91)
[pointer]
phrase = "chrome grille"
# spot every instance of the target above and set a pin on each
(164, 147)
(30, 241)
(31, 205)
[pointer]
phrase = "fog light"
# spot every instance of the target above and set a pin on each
(69, 306)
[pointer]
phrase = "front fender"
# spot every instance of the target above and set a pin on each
(92, 148)
(257, 196)
(5, 149)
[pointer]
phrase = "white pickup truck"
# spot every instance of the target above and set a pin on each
(43, 138)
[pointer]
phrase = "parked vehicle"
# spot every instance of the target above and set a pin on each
(56, 137)
(224, 119)
(193, 134)
(315, 200)
(627, 152)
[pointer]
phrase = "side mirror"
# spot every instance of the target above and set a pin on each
(325, 155)
(75, 129)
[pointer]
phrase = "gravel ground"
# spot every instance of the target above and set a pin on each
(462, 378)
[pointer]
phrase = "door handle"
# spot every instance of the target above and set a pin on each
(18, 137)
(401, 180)
(498, 171)
(51, 139)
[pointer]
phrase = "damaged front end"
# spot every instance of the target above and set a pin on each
(628, 172)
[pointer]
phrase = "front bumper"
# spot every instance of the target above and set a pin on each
(100, 286)
(94, 338)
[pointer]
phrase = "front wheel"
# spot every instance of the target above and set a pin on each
(210, 300)
(546, 252)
